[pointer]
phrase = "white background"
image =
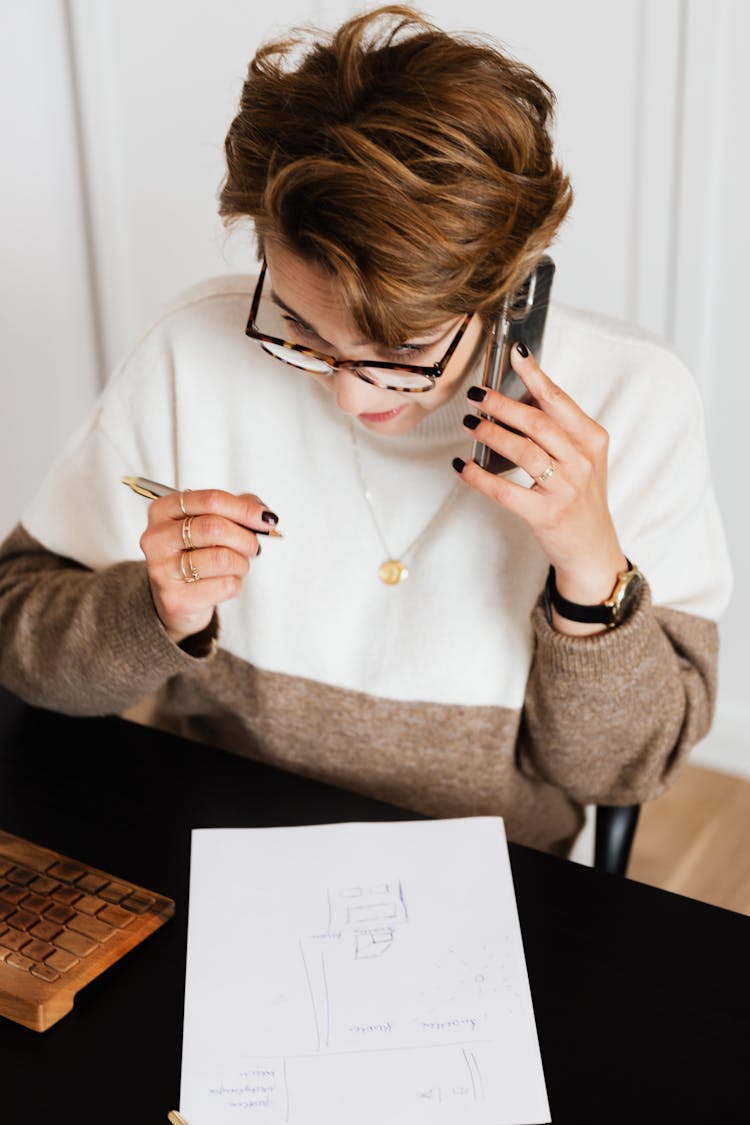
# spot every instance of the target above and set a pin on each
(113, 114)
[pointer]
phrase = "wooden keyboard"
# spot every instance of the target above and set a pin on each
(62, 923)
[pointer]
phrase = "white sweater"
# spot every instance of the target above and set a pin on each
(197, 404)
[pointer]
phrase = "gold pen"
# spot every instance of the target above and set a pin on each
(152, 490)
(176, 1118)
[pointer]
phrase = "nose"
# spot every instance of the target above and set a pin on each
(355, 396)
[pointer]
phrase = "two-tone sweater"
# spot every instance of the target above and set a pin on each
(449, 694)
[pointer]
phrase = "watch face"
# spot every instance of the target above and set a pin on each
(628, 595)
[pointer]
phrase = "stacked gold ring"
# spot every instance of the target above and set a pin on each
(186, 537)
(546, 474)
(193, 576)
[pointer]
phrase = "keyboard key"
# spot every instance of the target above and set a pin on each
(21, 876)
(92, 884)
(43, 885)
(14, 940)
(87, 904)
(115, 892)
(43, 972)
(116, 916)
(67, 895)
(18, 961)
(22, 920)
(58, 913)
(75, 943)
(91, 927)
(38, 950)
(138, 903)
(14, 894)
(66, 871)
(62, 961)
(45, 930)
(36, 903)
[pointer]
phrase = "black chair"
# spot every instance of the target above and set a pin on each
(614, 829)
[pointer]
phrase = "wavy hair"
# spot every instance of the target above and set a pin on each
(415, 166)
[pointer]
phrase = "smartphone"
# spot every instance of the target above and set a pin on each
(522, 317)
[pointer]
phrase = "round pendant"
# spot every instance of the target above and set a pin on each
(392, 572)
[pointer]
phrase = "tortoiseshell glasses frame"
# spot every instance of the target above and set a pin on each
(321, 363)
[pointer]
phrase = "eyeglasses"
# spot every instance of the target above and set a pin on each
(267, 320)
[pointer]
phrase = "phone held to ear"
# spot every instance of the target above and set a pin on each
(522, 317)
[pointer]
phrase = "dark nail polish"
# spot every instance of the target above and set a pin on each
(257, 553)
(477, 394)
(471, 421)
(522, 349)
(269, 517)
(458, 464)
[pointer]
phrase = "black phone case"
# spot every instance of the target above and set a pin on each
(522, 317)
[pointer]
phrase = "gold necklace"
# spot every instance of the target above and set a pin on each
(394, 570)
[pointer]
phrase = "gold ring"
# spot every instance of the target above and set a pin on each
(546, 474)
(186, 536)
(194, 575)
(182, 501)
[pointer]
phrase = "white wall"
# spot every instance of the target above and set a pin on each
(650, 120)
(47, 334)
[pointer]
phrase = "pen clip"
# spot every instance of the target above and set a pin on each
(139, 487)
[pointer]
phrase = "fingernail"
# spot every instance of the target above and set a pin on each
(477, 394)
(521, 348)
(458, 464)
(269, 517)
(471, 421)
(257, 553)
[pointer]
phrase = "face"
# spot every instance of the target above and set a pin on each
(304, 287)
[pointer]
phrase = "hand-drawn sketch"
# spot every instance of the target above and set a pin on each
(367, 978)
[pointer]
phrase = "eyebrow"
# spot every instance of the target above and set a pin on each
(305, 323)
(361, 343)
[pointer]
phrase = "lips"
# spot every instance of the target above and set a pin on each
(386, 416)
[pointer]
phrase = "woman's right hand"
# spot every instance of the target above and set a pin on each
(199, 546)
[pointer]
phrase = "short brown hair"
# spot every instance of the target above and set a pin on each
(415, 166)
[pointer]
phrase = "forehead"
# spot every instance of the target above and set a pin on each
(304, 287)
(313, 294)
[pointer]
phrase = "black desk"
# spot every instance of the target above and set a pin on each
(642, 998)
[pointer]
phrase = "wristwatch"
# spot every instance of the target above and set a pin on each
(609, 612)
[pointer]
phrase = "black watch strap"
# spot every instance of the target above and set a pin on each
(611, 612)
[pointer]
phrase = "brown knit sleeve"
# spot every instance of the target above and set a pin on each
(611, 718)
(81, 641)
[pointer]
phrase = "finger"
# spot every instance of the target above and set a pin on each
(212, 531)
(524, 502)
(550, 398)
(245, 509)
(518, 448)
(525, 420)
(206, 565)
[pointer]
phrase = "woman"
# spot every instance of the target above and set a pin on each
(410, 630)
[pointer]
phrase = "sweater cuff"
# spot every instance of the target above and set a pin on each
(203, 644)
(617, 650)
(153, 637)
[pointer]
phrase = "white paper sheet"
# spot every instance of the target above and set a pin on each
(364, 973)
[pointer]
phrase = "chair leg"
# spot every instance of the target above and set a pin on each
(613, 836)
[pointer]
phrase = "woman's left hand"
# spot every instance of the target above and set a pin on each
(565, 452)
